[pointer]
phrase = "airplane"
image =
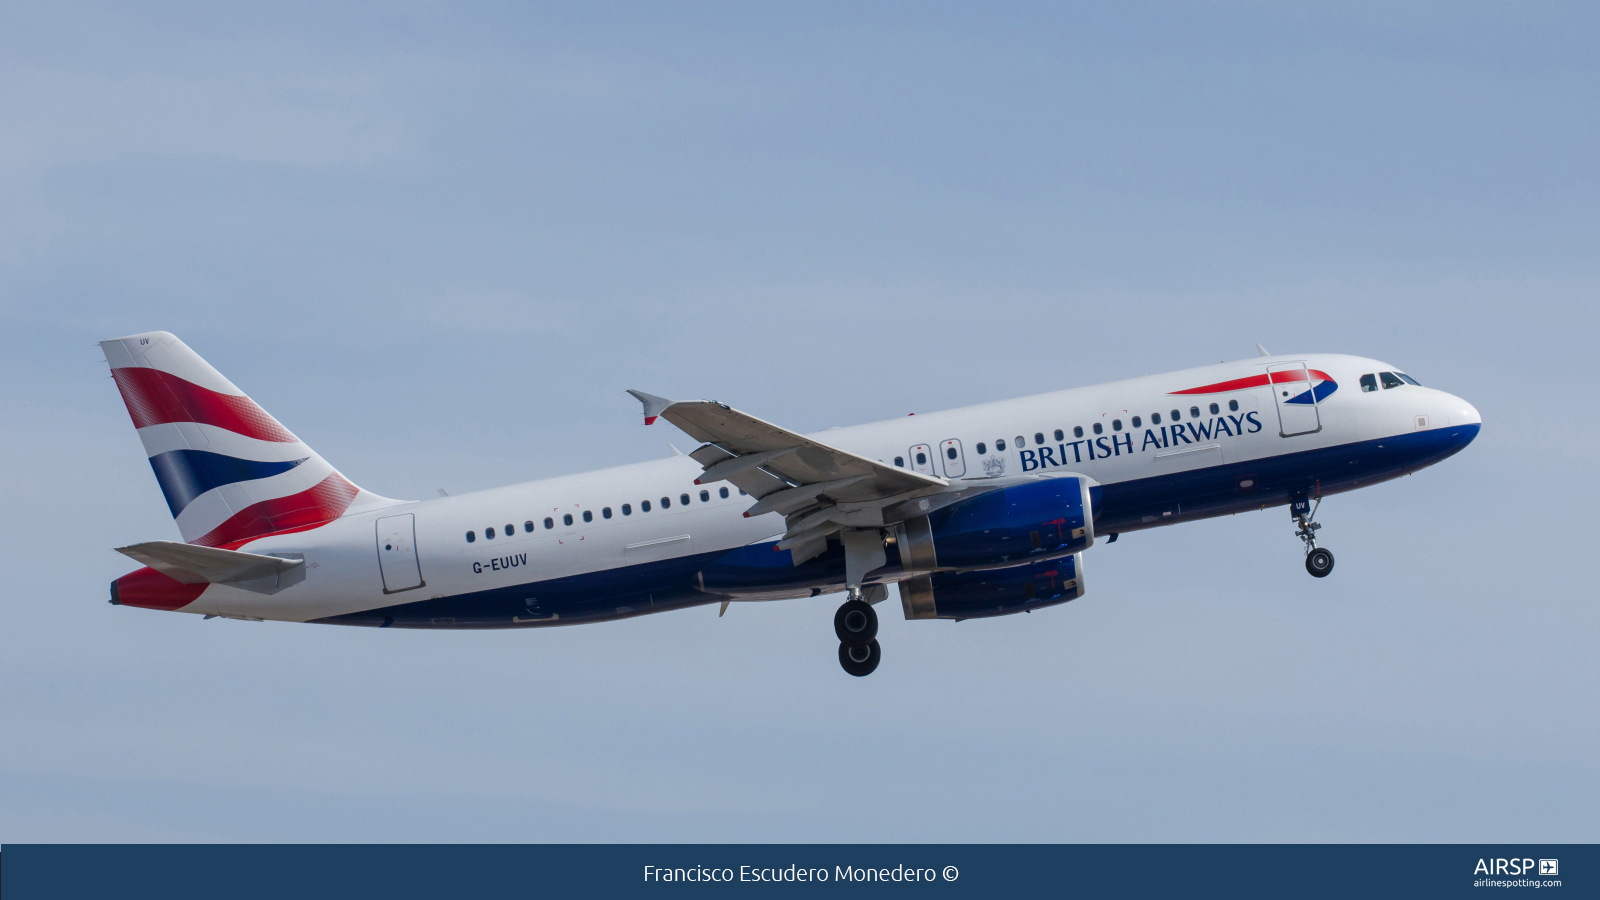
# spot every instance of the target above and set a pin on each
(974, 512)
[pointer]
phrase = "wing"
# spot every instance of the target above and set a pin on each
(817, 488)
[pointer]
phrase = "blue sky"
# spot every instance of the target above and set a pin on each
(438, 241)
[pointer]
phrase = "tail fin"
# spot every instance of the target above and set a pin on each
(229, 471)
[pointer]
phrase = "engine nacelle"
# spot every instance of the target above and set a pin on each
(993, 592)
(1043, 519)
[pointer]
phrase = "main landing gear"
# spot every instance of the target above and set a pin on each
(1319, 560)
(856, 624)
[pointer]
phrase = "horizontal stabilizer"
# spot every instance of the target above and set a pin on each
(194, 564)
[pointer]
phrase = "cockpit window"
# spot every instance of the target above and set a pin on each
(1408, 379)
(1369, 383)
(1390, 380)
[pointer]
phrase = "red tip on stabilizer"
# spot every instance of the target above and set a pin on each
(150, 589)
(650, 420)
(747, 515)
(697, 481)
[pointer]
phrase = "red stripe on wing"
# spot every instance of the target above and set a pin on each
(314, 506)
(1239, 384)
(155, 397)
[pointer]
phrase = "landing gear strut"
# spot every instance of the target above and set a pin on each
(1319, 560)
(856, 624)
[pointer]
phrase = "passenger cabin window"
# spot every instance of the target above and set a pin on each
(1194, 412)
(588, 515)
(1000, 444)
(922, 458)
(1390, 380)
(510, 530)
(1097, 428)
(488, 533)
(666, 502)
(1155, 418)
(1215, 409)
(982, 448)
(471, 537)
(900, 462)
(528, 526)
(1021, 442)
(1116, 424)
(683, 499)
(1077, 431)
(1038, 438)
(1060, 435)
(566, 519)
(549, 523)
(723, 493)
(627, 509)
(950, 452)
(1137, 423)
(705, 496)
(644, 505)
(1176, 416)
(1233, 405)
(1369, 384)
(605, 513)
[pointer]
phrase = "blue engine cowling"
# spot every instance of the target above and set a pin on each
(993, 592)
(1042, 519)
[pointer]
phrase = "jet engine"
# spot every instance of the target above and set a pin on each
(993, 592)
(1005, 527)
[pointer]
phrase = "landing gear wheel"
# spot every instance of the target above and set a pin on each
(1319, 562)
(856, 624)
(860, 661)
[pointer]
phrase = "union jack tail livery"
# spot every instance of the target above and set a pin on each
(229, 471)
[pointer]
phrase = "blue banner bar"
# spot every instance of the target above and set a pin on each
(932, 870)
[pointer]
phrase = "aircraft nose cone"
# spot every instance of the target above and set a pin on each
(1463, 413)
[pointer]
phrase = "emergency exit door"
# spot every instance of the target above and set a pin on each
(955, 463)
(397, 553)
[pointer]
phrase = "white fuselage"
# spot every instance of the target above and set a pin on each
(342, 574)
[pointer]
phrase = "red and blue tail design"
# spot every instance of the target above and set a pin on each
(1322, 384)
(229, 471)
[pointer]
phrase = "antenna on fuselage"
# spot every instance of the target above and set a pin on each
(1260, 350)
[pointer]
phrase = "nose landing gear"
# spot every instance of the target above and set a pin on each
(1319, 560)
(856, 624)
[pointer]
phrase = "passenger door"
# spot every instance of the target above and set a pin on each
(1296, 401)
(397, 553)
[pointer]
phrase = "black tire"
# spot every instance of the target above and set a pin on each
(1319, 563)
(850, 658)
(855, 623)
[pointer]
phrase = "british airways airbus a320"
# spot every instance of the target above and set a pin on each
(980, 511)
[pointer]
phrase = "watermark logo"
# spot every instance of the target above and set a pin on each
(1549, 867)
